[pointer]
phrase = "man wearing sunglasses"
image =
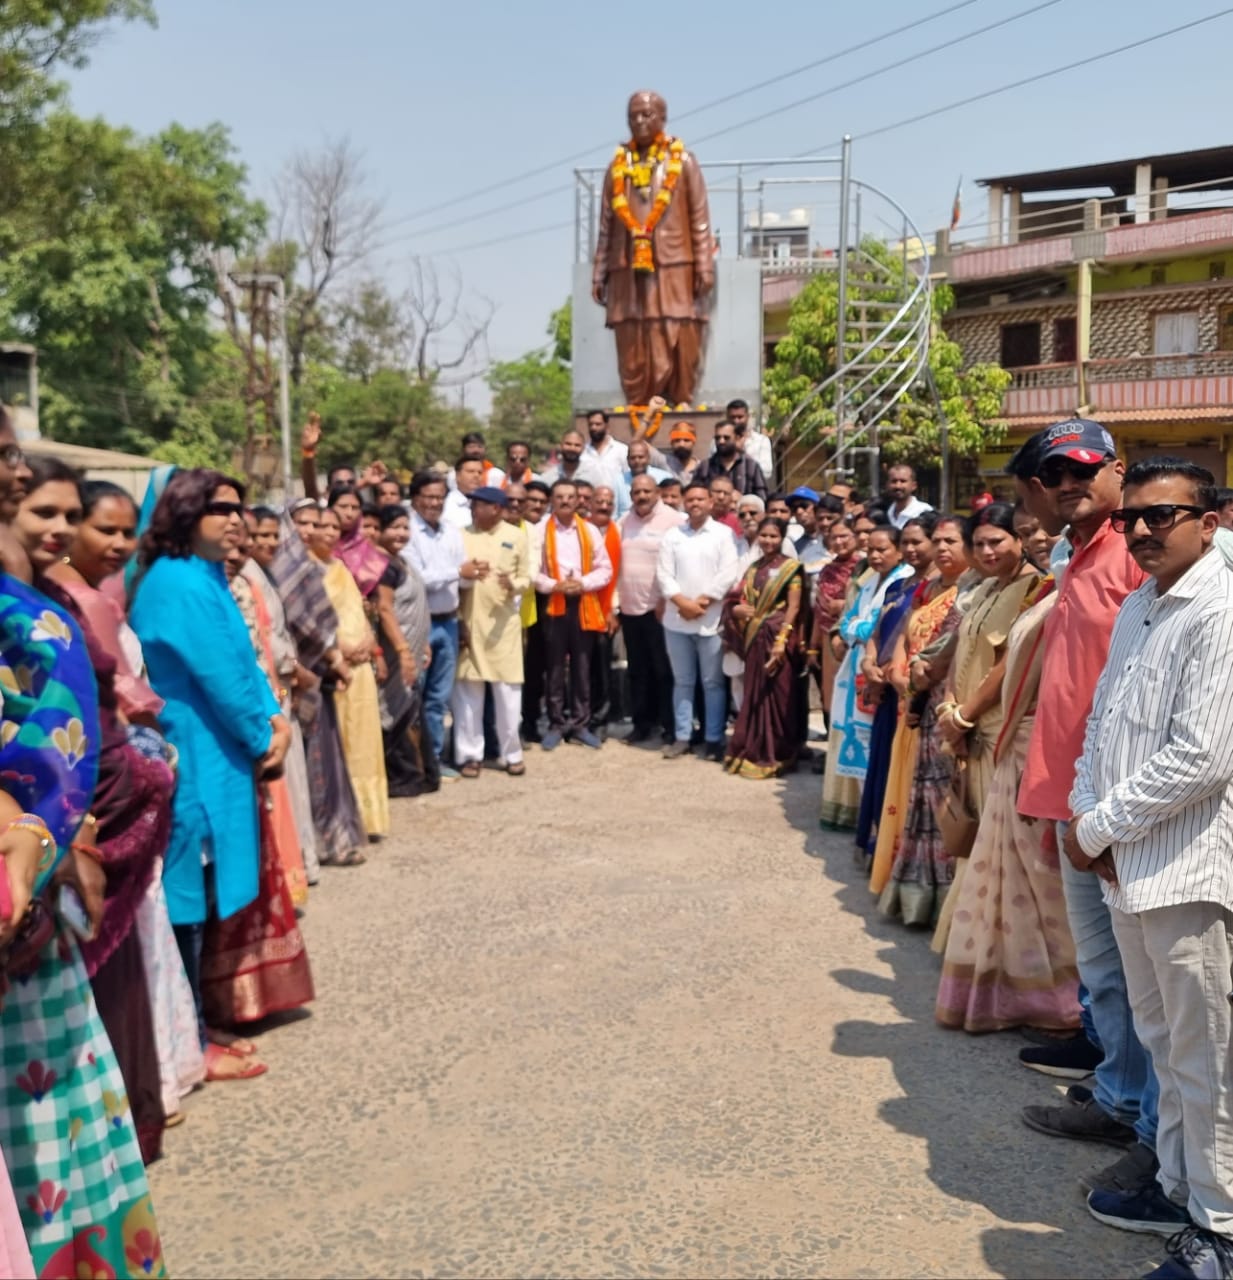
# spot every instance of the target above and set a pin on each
(1080, 479)
(1153, 805)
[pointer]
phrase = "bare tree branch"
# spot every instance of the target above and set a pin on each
(323, 208)
(441, 320)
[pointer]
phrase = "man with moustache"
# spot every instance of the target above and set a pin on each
(1079, 473)
(1153, 807)
(14, 478)
(572, 466)
(650, 676)
(681, 461)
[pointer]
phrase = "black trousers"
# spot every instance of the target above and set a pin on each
(601, 681)
(533, 672)
(650, 674)
(569, 692)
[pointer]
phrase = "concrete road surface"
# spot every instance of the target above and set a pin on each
(623, 1017)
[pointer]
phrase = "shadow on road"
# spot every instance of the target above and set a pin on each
(962, 1094)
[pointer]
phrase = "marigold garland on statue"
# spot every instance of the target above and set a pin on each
(628, 163)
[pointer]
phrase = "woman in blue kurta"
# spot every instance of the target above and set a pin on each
(220, 713)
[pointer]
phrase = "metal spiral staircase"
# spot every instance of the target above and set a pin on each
(882, 348)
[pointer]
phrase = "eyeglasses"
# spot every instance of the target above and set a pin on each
(1053, 472)
(224, 509)
(12, 455)
(1160, 517)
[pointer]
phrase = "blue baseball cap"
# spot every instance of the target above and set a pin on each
(803, 494)
(490, 493)
(1079, 440)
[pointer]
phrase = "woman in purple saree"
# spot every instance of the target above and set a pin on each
(766, 620)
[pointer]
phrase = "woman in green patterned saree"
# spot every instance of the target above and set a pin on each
(65, 1128)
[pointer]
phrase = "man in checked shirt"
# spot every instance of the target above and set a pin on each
(1153, 806)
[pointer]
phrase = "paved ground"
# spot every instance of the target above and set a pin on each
(640, 1021)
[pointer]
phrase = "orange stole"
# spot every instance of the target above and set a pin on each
(612, 542)
(590, 614)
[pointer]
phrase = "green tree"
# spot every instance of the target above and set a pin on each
(107, 267)
(38, 39)
(531, 396)
(970, 398)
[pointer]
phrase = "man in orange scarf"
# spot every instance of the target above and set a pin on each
(602, 507)
(574, 569)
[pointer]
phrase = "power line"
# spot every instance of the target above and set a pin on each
(565, 188)
(1044, 75)
(415, 215)
(917, 118)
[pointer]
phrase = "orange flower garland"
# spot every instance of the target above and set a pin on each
(629, 163)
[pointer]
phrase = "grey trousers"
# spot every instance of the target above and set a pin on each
(1179, 977)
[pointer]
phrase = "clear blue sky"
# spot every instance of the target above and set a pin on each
(445, 98)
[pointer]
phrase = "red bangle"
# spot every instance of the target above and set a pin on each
(90, 850)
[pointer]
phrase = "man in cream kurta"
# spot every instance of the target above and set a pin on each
(491, 653)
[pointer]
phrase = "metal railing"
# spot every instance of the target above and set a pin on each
(1094, 214)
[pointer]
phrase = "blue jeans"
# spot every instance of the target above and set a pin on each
(691, 655)
(439, 680)
(1125, 1082)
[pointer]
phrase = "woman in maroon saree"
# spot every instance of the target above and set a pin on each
(766, 620)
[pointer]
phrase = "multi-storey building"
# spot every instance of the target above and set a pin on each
(1106, 290)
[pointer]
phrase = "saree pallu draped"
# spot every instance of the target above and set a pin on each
(283, 830)
(921, 870)
(917, 881)
(411, 769)
(833, 583)
(987, 621)
(1010, 957)
(65, 1127)
(359, 713)
(336, 812)
(767, 736)
(847, 748)
(895, 609)
(255, 963)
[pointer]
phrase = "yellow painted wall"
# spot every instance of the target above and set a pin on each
(1189, 270)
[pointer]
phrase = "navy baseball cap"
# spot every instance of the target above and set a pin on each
(490, 493)
(1077, 439)
(803, 494)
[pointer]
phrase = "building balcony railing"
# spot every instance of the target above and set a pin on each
(1133, 383)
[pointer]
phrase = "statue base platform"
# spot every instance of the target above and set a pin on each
(703, 421)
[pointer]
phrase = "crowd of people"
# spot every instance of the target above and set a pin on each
(207, 701)
(1031, 735)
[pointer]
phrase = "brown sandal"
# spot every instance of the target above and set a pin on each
(470, 769)
(516, 770)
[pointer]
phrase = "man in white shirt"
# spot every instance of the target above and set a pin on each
(697, 566)
(436, 552)
(1153, 808)
(603, 450)
(650, 675)
(468, 476)
(473, 448)
(573, 569)
(901, 487)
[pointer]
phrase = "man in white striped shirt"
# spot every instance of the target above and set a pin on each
(1153, 806)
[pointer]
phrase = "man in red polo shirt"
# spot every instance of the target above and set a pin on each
(1079, 472)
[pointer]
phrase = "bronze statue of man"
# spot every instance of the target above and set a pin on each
(655, 259)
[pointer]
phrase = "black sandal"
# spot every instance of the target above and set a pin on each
(469, 770)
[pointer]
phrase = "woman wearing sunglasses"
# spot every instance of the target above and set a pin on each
(220, 715)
